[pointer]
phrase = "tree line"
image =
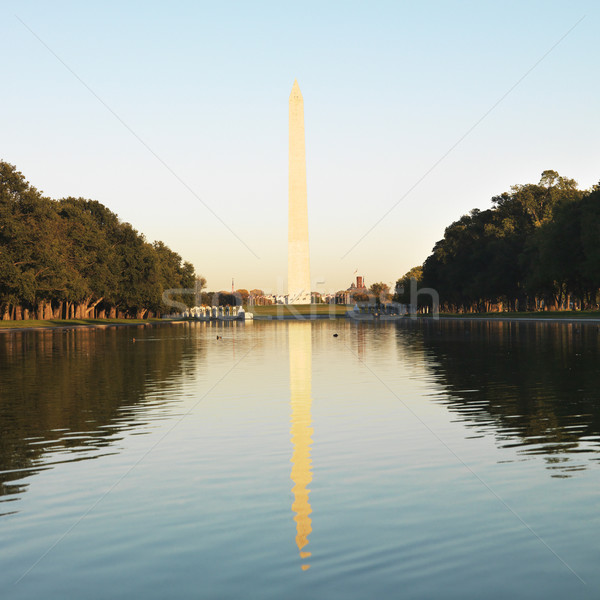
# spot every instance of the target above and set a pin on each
(74, 258)
(537, 248)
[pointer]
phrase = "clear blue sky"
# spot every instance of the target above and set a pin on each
(389, 88)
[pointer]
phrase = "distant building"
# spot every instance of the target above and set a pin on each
(357, 292)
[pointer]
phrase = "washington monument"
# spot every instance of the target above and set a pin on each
(298, 258)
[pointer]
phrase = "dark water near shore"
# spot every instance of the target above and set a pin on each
(421, 460)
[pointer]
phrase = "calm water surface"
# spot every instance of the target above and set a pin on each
(440, 460)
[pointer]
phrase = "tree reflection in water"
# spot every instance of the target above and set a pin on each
(70, 394)
(535, 386)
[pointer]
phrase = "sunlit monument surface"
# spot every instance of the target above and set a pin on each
(298, 257)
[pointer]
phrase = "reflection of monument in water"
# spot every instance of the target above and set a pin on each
(299, 337)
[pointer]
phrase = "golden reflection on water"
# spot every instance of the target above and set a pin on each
(299, 338)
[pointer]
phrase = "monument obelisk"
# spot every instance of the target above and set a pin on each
(298, 257)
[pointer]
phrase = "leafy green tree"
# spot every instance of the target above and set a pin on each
(402, 287)
(74, 258)
(502, 256)
(243, 294)
(381, 292)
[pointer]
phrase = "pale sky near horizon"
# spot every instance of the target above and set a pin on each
(389, 89)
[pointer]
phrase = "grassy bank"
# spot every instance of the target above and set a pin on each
(57, 323)
(283, 310)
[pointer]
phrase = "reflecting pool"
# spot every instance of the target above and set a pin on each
(273, 460)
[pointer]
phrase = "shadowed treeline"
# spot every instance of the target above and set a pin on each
(73, 258)
(71, 394)
(535, 386)
(535, 249)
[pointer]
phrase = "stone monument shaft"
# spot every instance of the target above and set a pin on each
(298, 256)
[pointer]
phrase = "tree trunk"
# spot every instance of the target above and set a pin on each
(92, 306)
